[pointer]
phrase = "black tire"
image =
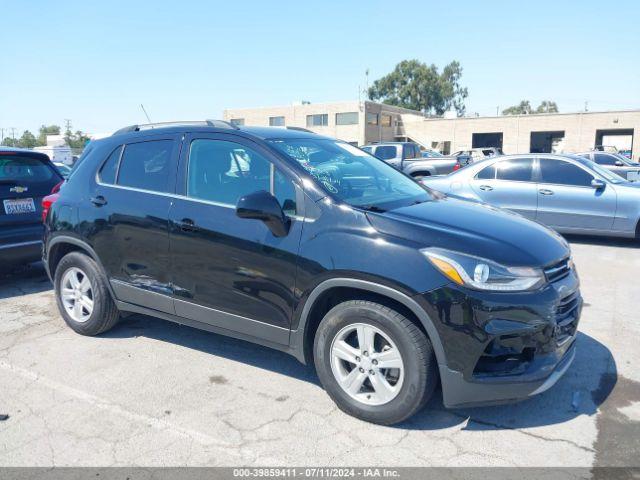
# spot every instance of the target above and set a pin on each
(420, 376)
(105, 313)
(420, 175)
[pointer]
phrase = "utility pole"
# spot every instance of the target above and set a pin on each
(67, 125)
(498, 111)
(586, 106)
(13, 134)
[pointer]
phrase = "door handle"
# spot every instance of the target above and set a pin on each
(99, 201)
(187, 225)
(486, 188)
(544, 191)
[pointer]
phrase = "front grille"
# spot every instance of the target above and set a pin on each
(567, 318)
(557, 270)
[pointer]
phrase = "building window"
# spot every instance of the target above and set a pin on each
(319, 120)
(385, 120)
(372, 118)
(347, 118)
(276, 121)
(237, 121)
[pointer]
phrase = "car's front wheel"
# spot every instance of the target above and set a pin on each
(82, 295)
(375, 363)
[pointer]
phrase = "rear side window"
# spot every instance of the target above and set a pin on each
(386, 152)
(28, 170)
(146, 165)
(563, 173)
(488, 173)
(107, 173)
(518, 170)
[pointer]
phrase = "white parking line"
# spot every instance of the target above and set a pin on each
(157, 423)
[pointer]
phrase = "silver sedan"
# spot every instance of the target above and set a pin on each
(565, 192)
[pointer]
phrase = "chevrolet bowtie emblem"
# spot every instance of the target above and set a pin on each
(18, 189)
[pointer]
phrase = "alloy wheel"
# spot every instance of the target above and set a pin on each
(76, 294)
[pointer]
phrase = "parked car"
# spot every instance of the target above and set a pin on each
(318, 249)
(625, 153)
(615, 162)
(63, 168)
(565, 192)
(476, 154)
(407, 157)
(25, 177)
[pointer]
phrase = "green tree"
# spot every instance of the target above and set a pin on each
(76, 140)
(523, 108)
(418, 86)
(47, 130)
(9, 142)
(27, 140)
(547, 106)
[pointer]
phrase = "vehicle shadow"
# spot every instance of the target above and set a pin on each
(603, 241)
(23, 280)
(585, 386)
(214, 344)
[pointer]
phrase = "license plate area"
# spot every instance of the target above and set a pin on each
(19, 206)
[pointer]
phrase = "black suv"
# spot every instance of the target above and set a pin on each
(312, 246)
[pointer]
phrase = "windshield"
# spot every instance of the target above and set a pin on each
(352, 175)
(606, 174)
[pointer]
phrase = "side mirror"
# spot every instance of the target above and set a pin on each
(619, 163)
(597, 184)
(263, 206)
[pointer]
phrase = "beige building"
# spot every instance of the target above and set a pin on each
(366, 122)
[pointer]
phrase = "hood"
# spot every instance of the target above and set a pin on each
(475, 229)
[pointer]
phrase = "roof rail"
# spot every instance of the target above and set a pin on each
(150, 126)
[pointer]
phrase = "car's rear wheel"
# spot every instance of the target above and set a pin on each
(374, 362)
(82, 295)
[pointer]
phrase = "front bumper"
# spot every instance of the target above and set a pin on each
(503, 347)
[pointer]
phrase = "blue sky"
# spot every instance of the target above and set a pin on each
(95, 62)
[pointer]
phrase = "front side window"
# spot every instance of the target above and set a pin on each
(318, 120)
(352, 175)
(518, 170)
(386, 152)
(372, 118)
(347, 118)
(560, 172)
(146, 165)
(107, 173)
(222, 172)
(276, 121)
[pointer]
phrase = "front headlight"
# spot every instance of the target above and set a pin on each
(482, 274)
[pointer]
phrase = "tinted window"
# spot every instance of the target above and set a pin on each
(563, 173)
(26, 170)
(237, 121)
(386, 152)
(146, 165)
(368, 149)
(109, 169)
(488, 173)
(222, 172)
(519, 170)
(604, 159)
(372, 118)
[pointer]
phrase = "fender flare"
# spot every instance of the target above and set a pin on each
(420, 168)
(298, 336)
(88, 249)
